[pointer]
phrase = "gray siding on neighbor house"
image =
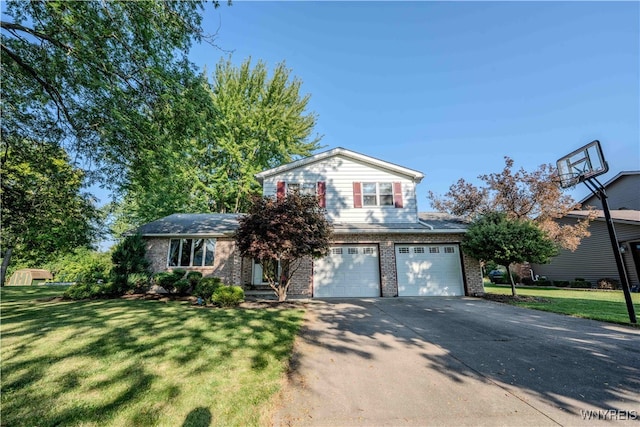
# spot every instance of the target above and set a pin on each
(623, 193)
(594, 257)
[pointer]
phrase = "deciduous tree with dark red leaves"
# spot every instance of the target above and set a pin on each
(280, 232)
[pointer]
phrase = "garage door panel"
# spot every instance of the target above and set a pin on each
(348, 271)
(429, 270)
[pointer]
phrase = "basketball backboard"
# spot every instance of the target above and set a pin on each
(583, 163)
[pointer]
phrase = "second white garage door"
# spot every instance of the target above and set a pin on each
(348, 271)
(429, 270)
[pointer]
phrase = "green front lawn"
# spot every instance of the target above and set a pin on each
(135, 362)
(608, 306)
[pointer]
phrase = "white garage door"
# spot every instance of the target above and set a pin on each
(429, 270)
(348, 271)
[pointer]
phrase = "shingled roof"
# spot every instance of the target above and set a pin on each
(192, 225)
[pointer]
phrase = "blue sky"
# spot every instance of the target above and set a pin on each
(450, 88)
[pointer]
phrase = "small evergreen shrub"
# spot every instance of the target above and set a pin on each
(561, 283)
(166, 280)
(228, 296)
(182, 286)
(206, 287)
(194, 277)
(178, 273)
(543, 282)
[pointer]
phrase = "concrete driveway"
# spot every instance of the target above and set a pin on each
(458, 361)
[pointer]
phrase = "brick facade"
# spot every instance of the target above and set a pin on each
(233, 269)
(226, 262)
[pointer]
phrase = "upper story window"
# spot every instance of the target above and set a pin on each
(191, 252)
(377, 194)
(369, 194)
(305, 189)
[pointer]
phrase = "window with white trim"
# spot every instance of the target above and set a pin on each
(304, 189)
(403, 250)
(352, 251)
(434, 250)
(449, 250)
(336, 251)
(191, 252)
(418, 250)
(377, 194)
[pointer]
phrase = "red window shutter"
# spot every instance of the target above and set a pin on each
(322, 202)
(397, 194)
(280, 190)
(357, 195)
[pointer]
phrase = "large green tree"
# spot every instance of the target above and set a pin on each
(88, 75)
(219, 136)
(495, 237)
(45, 212)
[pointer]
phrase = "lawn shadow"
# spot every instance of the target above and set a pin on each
(199, 417)
(63, 342)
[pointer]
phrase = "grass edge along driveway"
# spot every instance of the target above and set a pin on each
(119, 362)
(606, 306)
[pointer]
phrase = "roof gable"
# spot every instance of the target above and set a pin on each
(618, 177)
(342, 152)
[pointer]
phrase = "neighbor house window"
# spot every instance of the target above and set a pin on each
(191, 252)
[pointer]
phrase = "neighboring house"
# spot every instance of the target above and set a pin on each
(381, 246)
(594, 259)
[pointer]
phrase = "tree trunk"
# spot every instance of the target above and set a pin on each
(513, 285)
(5, 264)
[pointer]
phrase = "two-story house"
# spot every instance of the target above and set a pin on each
(382, 245)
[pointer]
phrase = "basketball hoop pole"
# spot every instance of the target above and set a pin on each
(598, 190)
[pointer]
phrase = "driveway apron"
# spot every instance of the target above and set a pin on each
(458, 361)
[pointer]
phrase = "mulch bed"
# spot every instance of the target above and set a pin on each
(508, 299)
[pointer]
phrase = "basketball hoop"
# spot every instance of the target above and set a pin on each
(569, 180)
(584, 163)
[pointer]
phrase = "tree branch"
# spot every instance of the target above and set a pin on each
(17, 27)
(52, 91)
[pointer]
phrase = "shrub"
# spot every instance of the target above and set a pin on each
(542, 282)
(182, 286)
(561, 283)
(206, 287)
(166, 280)
(83, 265)
(138, 282)
(128, 257)
(84, 291)
(527, 281)
(228, 296)
(194, 277)
(608, 283)
(178, 273)
(580, 283)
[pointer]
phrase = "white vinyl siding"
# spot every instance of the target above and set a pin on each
(340, 173)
